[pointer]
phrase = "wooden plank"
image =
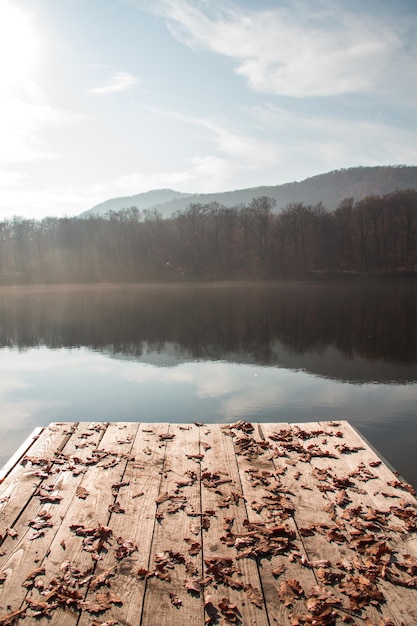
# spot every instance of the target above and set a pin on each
(221, 493)
(137, 494)
(379, 494)
(23, 480)
(269, 490)
(23, 552)
(85, 547)
(20, 452)
(345, 492)
(179, 502)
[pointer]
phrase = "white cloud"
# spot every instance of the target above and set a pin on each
(118, 82)
(306, 49)
(333, 142)
(206, 173)
(234, 152)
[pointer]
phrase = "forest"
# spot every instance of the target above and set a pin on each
(375, 235)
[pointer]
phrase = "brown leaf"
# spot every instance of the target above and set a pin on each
(289, 590)
(278, 570)
(194, 548)
(166, 436)
(163, 498)
(374, 463)
(102, 579)
(254, 595)
(191, 568)
(29, 580)
(10, 618)
(230, 611)
(41, 608)
(175, 600)
(45, 497)
(81, 492)
(192, 585)
(116, 508)
(125, 549)
(37, 535)
(144, 573)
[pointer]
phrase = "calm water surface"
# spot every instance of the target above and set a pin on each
(214, 353)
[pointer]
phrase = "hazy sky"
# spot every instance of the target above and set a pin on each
(104, 98)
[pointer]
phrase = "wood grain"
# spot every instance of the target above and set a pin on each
(143, 524)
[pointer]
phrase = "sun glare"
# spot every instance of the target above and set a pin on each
(18, 45)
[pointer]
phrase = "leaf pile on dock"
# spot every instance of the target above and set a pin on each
(236, 524)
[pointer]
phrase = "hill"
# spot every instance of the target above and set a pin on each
(329, 188)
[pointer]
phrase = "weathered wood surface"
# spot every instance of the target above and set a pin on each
(265, 524)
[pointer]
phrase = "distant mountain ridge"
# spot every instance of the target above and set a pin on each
(329, 188)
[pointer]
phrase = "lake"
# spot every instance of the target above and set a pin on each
(214, 353)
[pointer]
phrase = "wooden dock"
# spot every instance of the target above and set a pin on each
(150, 524)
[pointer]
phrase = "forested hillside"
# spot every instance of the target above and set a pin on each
(377, 234)
(329, 189)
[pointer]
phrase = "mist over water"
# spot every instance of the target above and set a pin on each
(215, 353)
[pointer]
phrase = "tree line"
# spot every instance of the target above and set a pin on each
(377, 234)
(267, 323)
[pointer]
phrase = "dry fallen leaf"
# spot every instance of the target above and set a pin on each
(193, 586)
(254, 595)
(81, 492)
(10, 618)
(230, 611)
(175, 600)
(289, 590)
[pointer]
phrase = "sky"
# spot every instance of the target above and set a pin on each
(108, 98)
